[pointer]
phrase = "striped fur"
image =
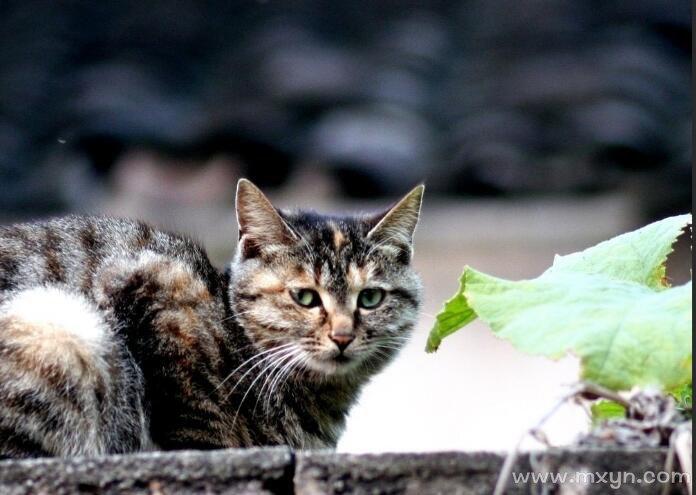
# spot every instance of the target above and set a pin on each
(116, 337)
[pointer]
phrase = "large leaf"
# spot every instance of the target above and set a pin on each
(637, 256)
(609, 305)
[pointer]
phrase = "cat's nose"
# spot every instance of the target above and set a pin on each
(341, 330)
(342, 340)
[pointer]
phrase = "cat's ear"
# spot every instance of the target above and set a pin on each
(260, 225)
(396, 226)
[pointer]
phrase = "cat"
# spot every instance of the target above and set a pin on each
(116, 337)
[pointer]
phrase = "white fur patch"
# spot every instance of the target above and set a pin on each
(53, 307)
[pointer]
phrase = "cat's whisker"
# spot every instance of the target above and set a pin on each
(301, 364)
(251, 386)
(369, 365)
(235, 315)
(255, 356)
(393, 337)
(388, 350)
(264, 361)
(398, 343)
(280, 376)
(382, 345)
(261, 344)
(291, 356)
(275, 381)
(295, 364)
(241, 349)
(380, 352)
(394, 345)
(276, 366)
(268, 365)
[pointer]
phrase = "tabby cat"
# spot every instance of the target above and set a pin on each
(116, 337)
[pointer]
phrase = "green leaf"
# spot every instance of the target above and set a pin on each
(608, 305)
(604, 410)
(637, 256)
(454, 315)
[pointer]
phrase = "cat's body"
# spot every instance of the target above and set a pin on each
(116, 337)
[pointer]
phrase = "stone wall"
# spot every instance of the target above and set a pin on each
(281, 471)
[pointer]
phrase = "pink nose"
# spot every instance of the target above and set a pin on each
(342, 340)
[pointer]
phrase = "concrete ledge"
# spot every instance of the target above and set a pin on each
(263, 471)
(280, 471)
(465, 473)
(445, 473)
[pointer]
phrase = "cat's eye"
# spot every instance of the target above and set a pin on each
(370, 298)
(308, 298)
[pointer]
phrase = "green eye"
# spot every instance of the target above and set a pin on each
(370, 298)
(306, 297)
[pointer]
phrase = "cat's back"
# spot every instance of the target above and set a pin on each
(68, 251)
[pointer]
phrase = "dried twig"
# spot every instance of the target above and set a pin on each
(585, 389)
(512, 455)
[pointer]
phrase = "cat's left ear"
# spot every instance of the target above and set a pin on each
(261, 228)
(396, 226)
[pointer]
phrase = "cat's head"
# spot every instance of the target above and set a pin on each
(329, 294)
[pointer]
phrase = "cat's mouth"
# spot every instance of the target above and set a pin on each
(337, 363)
(342, 359)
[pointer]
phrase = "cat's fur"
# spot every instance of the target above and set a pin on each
(116, 337)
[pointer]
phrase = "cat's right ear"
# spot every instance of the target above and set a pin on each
(261, 228)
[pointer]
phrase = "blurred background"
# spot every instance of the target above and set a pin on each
(539, 127)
